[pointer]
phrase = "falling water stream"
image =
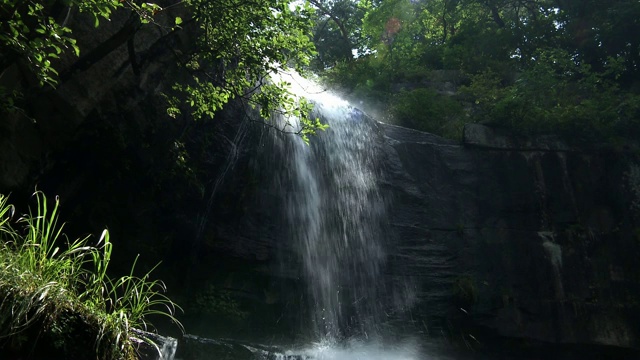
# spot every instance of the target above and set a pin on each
(337, 219)
(336, 215)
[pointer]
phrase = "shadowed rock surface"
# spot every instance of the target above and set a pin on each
(528, 239)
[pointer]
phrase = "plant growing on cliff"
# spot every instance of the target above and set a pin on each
(61, 286)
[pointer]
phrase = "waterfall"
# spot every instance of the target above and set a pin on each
(334, 242)
(336, 214)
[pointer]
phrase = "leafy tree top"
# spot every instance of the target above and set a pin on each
(239, 43)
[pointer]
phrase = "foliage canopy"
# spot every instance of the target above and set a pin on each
(534, 66)
(238, 44)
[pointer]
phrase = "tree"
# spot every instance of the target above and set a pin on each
(239, 43)
(531, 65)
(337, 36)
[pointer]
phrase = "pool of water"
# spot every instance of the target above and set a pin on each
(198, 348)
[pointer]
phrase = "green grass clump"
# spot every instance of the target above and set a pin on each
(58, 290)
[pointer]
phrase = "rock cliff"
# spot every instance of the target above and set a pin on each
(526, 238)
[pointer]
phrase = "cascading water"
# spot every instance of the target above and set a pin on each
(337, 218)
(336, 214)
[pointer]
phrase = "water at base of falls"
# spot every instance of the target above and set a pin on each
(197, 348)
(353, 350)
(227, 349)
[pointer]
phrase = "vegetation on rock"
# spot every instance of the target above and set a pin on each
(57, 297)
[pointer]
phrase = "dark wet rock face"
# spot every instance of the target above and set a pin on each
(526, 239)
(512, 237)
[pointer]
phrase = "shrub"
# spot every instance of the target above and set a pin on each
(426, 110)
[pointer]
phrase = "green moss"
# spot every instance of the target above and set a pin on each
(212, 300)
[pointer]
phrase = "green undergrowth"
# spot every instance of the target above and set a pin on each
(56, 297)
